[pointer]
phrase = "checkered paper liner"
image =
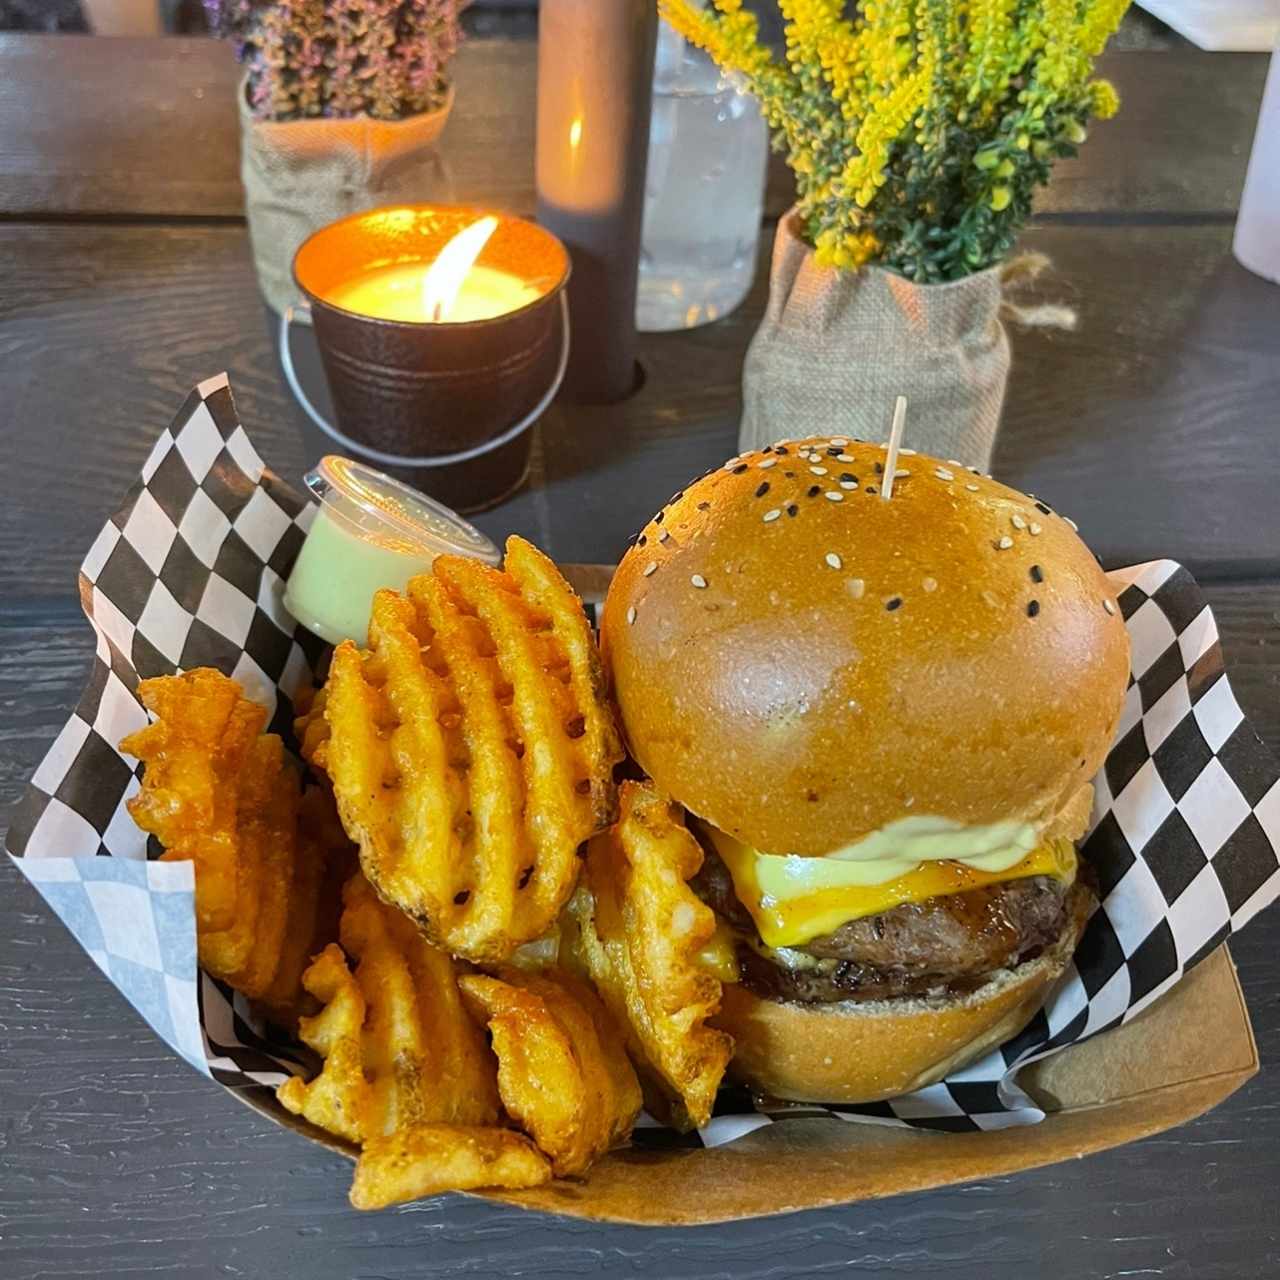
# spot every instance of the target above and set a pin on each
(1185, 837)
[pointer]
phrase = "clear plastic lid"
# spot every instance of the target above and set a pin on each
(394, 514)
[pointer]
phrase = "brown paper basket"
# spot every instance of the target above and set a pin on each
(1189, 1051)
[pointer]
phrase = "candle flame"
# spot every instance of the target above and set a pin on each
(575, 133)
(443, 280)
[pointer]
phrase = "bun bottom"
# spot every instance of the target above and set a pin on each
(866, 1051)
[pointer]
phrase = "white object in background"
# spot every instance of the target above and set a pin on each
(703, 192)
(1257, 238)
(1221, 26)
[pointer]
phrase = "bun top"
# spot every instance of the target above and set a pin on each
(801, 662)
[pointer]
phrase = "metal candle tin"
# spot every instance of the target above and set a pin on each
(447, 407)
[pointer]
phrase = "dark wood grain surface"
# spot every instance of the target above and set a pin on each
(125, 278)
(1135, 425)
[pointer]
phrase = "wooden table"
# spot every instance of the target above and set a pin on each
(125, 278)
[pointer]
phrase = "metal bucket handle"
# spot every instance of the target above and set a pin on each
(301, 313)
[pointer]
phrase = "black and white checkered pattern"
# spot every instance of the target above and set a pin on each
(1185, 838)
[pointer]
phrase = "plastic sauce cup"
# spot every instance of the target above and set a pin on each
(370, 532)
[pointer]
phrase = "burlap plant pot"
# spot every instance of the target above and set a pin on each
(300, 175)
(836, 347)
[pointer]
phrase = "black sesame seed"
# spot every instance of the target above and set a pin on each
(791, 475)
(1033, 607)
(763, 489)
(871, 488)
(740, 468)
(834, 450)
(675, 497)
(658, 518)
(893, 603)
(631, 541)
(767, 449)
(641, 540)
(1040, 507)
(782, 451)
(814, 490)
(879, 468)
(1037, 574)
(792, 509)
(847, 477)
(461, 896)
(704, 506)
(525, 877)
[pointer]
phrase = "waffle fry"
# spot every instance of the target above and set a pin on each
(194, 752)
(407, 1075)
(471, 749)
(310, 726)
(640, 929)
(426, 1159)
(563, 1073)
(398, 1047)
(220, 793)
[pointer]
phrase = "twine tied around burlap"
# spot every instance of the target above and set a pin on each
(300, 175)
(835, 349)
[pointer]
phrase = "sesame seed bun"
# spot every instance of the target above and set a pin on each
(870, 1050)
(801, 662)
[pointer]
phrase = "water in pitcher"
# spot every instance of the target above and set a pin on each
(704, 191)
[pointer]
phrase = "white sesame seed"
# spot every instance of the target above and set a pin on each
(733, 462)
(834, 560)
(1018, 521)
(943, 474)
(784, 440)
(767, 463)
(1072, 523)
(840, 440)
(906, 453)
(986, 475)
(848, 484)
(1108, 606)
(770, 516)
(1034, 529)
(834, 495)
(631, 616)
(1005, 543)
(664, 535)
(651, 567)
(844, 457)
(900, 471)
(818, 471)
(698, 581)
(954, 462)
(973, 488)
(855, 587)
(929, 584)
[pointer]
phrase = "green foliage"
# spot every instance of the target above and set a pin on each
(918, 130)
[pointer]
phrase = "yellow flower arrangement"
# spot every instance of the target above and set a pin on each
(918, 130)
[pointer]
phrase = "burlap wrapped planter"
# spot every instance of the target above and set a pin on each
(836, 347)
(300, 175)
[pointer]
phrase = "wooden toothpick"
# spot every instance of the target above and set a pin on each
(895, 440)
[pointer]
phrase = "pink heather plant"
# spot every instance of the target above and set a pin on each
(342, 58)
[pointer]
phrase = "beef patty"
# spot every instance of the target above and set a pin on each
(946, 943)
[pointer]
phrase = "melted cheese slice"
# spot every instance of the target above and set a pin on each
(790, 908)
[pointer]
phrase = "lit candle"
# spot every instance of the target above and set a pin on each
(450, 290)
(396, 293)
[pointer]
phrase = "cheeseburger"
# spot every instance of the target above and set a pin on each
(882, 717)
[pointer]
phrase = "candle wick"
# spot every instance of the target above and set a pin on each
(437, 312)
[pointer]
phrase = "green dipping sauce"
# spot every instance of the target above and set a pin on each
(370, 531)
(330, 590)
